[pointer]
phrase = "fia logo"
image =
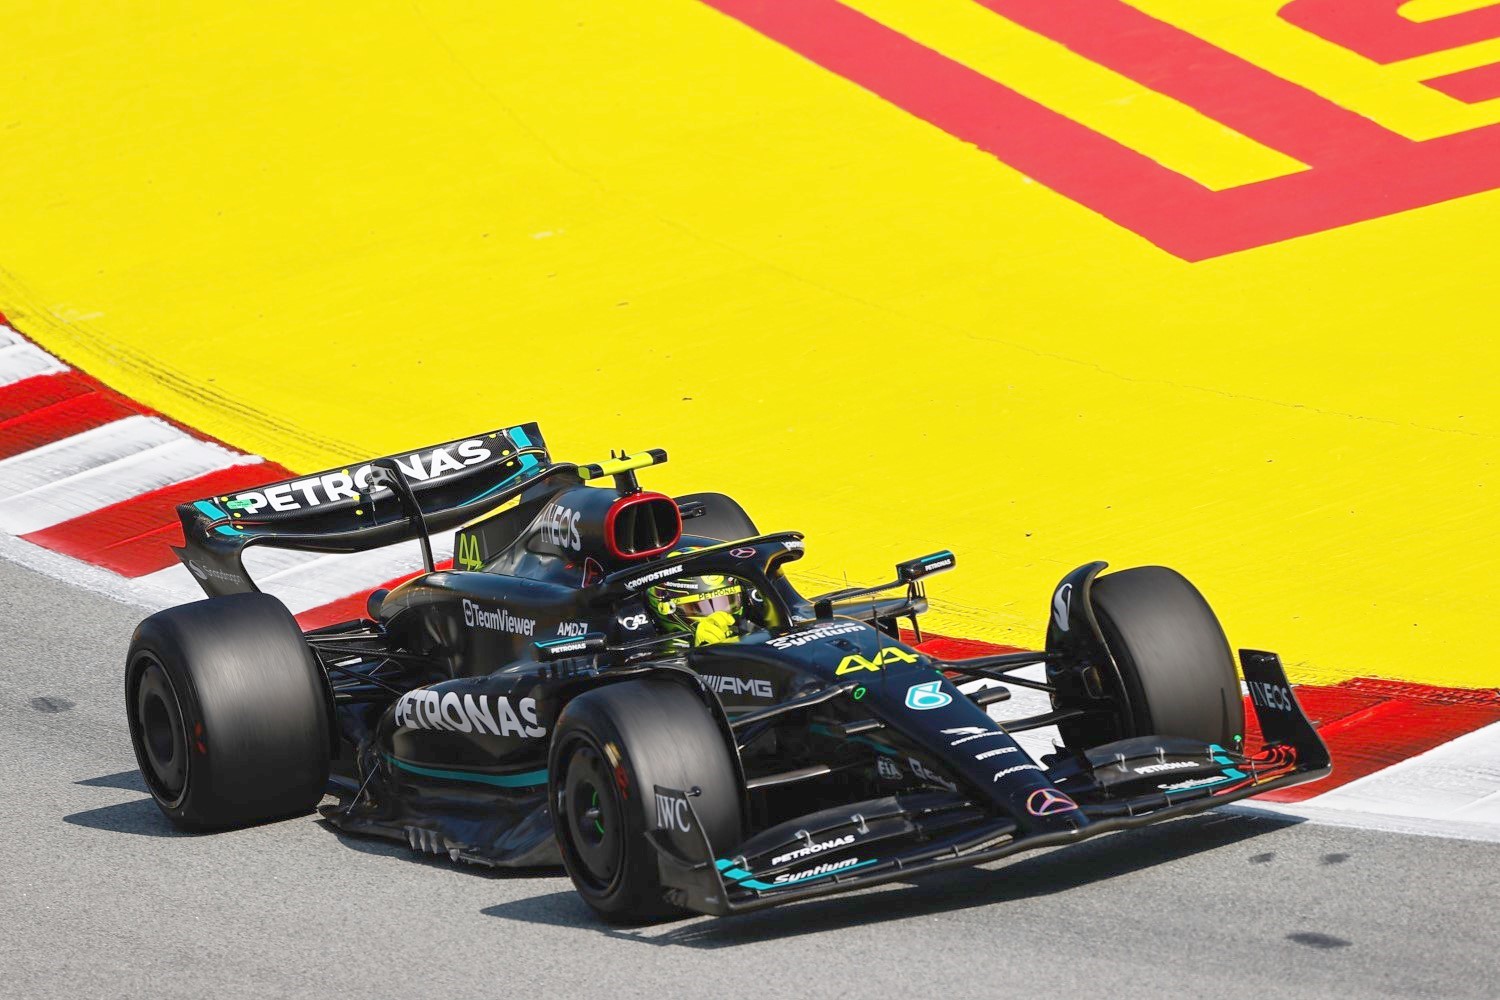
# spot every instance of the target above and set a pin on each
(926, 774)
(923, 697)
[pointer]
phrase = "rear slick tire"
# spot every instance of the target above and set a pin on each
(228, 712)
(1173, 657)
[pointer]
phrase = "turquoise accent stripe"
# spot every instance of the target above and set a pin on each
(728, 868)
(522, 441)
(528, 462)
(527, 779)
(945, 554)
(1219, 755)
(745, 879)
(211, 509)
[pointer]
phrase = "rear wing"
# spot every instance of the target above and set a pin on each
(350, 509)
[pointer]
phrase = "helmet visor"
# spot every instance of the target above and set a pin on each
(696, 606)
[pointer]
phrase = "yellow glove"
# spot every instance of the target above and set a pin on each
(717, 627)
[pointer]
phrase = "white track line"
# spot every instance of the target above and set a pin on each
(1023, 702)
(315, 580)
(81, 452)
(170, 586)
(138, 593)
(75, 495)
(20, 359)
(1416, 826)
(1456, 782)
(330, 577)
(262, 561)
(305, 580)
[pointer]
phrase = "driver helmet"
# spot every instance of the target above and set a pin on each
(679, 605)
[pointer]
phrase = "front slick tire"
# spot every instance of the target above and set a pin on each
(610, 748)
(1178, 672)
(228, 714)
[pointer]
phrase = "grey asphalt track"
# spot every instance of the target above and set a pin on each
(99, 896)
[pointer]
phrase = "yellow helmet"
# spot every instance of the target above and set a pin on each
(678, 605)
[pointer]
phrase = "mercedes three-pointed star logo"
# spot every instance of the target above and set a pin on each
(1046, 801)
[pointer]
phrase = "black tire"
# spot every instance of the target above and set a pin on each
(723, 518)
(1175, 663)
(610, 747)
(228, 713)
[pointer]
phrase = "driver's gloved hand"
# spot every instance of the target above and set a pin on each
(717, 627)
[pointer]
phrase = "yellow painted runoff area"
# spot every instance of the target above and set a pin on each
(327, 233)
(1392, 95)
(1167, 131)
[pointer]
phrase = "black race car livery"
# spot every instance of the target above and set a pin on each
(525, 708)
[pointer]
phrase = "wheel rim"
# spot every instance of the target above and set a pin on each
(160, 734)
(591, 817)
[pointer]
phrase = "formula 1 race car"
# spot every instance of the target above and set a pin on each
(525, 708)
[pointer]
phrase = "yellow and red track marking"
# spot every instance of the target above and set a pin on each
(1197, 282)
(1355, 169)
(129, 536)
(47, 410)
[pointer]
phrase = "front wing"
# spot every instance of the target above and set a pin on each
(932, 831)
